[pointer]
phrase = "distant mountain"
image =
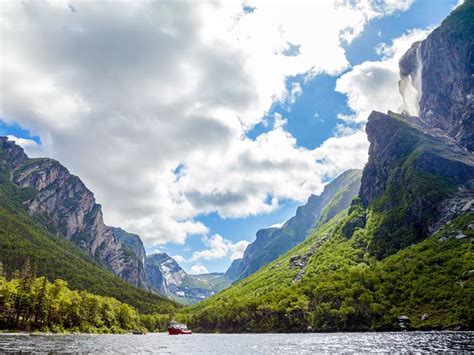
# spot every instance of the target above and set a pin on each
(273, 242)
(233, 271)
(168, 278)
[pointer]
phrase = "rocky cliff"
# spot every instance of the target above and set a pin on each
(137, 255)
(273, 242)
(65, 206)
(414, 174)
(168, 278)
(437, 81)
(421, 166)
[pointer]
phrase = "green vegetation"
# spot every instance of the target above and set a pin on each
(345, 288)
(31, 303)
(22, 237)
(422, 171)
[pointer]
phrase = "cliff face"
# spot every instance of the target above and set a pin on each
(421, 166)
(273, 242)
(437, 81)
(66, 206)
(168, 278)
(414, 178)
(164, 274)
(136, 255)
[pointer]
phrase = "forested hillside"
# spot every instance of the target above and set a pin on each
(52, 255)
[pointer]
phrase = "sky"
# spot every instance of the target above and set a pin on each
(197, 123)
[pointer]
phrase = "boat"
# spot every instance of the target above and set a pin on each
(138, 332)
(176, 328)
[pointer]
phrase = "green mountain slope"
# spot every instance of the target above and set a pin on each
(331, 283)
(403, 248)
(54, 256)
(273, 242)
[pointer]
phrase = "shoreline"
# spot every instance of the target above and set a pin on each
(33, 334)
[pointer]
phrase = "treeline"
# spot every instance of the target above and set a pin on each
(31, 303)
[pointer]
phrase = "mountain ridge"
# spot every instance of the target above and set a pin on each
(273, 242)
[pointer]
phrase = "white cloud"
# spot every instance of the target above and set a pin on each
(29, 144)
(237, 250)
(124, 93)
(220, 248)
(295, 92)
(199, 269)
(179, 259)
(373, 85)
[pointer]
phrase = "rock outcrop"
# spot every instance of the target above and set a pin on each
(164, 274)
(412, 172)
(65, 206)
(134, 243)
(168, 278)
(420, 172)
(437, 82)
(273, 242)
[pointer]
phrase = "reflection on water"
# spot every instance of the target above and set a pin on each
(242, 343)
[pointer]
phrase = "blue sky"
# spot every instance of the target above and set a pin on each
(311, 118)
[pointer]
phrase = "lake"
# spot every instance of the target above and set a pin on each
(242, 343)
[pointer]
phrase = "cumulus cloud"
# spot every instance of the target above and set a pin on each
(199, 269)
(28, 144)
(179, 259)
(150, 102)
(220, 248)
(373, 85)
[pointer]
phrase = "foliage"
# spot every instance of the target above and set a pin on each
(22, 237)
(345, 288)
(33, 303)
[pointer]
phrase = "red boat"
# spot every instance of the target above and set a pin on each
(177, 328)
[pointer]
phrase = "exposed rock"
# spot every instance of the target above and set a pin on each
(134, 243)
(451, 208)
(424, 317)
(300, 261)
(403, 322)
(233, 271)
(461, 236)
(168, 278)
(273, 242)
(69, 208)
(438, 72)
(406, 159)
(164, 274)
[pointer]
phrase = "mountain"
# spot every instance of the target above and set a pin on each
(64, 207)
(168, 278)
(233, 271)
(401, 255)
(413, 180)
(445, 57)
(273, 242)
(67, 207)
(134, 244)
(23, 236)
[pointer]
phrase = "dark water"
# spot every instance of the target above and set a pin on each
(242, 343)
